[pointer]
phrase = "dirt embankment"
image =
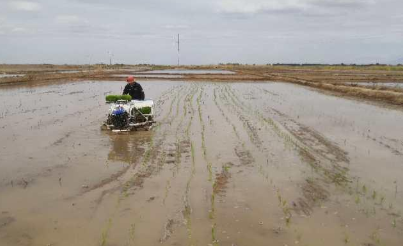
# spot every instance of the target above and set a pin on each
(368, 82)
(32, 74)
(347, 81)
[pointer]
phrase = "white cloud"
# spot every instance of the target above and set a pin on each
(258, 6)
(68, 19)
(243, 30)
(25, 6)
(176, 26)
(19, 30)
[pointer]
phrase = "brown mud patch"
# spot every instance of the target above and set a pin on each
(313, 195)
(222, 179)
(5, 221)
(244, 156)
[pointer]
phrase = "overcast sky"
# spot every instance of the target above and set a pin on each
(212, 31)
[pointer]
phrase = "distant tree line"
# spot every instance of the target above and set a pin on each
(325, 64)
(312, 64)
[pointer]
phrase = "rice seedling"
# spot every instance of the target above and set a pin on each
(375, 236)
(382, 200)
(187, 210)
(279, 197)
(346, 239)
(364, 189)
(395, 188)
(213, 235)
(145, 110)
(357, 199)
(299, 236)
(212, 210)
(167, 187)
(114, 98)
(132, 232)
(288, 220)
(105, 232)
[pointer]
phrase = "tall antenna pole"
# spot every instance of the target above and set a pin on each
(110, 57)
(178, 49)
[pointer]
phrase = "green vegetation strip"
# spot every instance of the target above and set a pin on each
(114, 98)
(145, 110)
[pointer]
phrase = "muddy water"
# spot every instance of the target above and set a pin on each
(226, 164)
(10, 75)
(184, 71)
(170, 76)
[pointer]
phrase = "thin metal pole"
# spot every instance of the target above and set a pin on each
(178, 49)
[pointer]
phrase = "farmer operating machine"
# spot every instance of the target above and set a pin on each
(126, 114)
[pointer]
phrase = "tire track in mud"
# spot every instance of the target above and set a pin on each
(360, 196)
(283, 204)
(318, 143)
(290, 141)
(311, 141)
(222, 178)
(209, 169)
(203, 138)
(310, 190)
(183, 145)
(187, 211)
(327, 167)
(172, 222)
(242, 152)
(175, 157)
(277, 128)
(145, 171)
(132, 164)
(246, 158)
(335, 174)
(154, 147)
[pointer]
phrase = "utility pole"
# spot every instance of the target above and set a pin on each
(178, 49)
(110, 57)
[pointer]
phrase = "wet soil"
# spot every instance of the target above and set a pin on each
(226, 164)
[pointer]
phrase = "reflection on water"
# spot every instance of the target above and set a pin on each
(125, 147)
(150, 75)
(10, 75)
(68, 71)
(184, 71)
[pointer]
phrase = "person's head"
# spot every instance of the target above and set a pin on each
(131, 79)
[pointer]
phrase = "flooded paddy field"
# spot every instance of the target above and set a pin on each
(187, 71)
(5, 75)
(227, 164)
(145, 75)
